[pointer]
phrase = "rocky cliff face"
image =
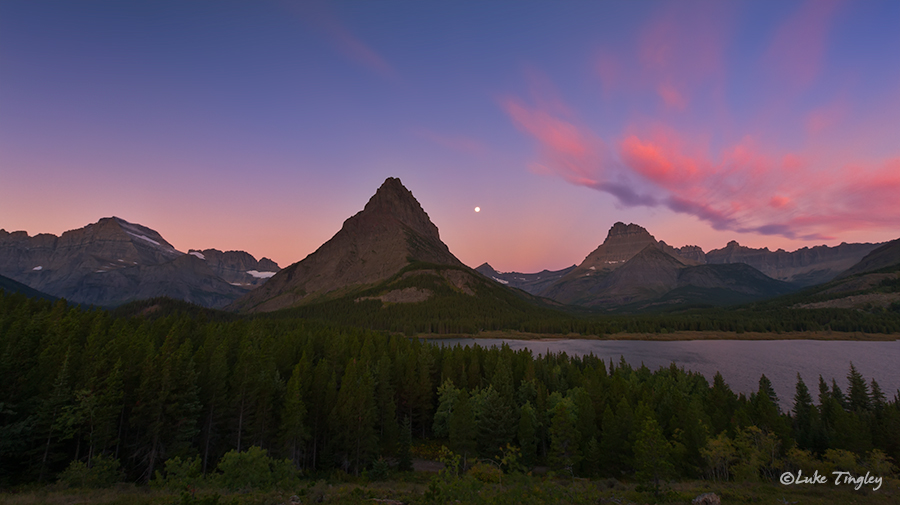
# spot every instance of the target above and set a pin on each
(886, 255)
(390, 232)
(238, 268)
(803, 267)
(109, 263)
(622, 243)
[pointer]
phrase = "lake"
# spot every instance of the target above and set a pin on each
(741, 362)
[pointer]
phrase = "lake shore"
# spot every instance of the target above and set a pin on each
(674, 336)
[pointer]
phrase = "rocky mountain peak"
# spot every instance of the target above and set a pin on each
(391, 231)
(621, 230)
(394, 201)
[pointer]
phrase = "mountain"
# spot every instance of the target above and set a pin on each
(630, 270)
(872, 285)
(112, 262)
(803, 267)
(390, 233)
(887, 255)
(530, 283)
(623, 242)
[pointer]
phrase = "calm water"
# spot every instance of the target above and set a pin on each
(741, 362)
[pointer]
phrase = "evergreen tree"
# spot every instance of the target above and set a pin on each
(804, 416)
(354, 416)
(652, 454)
(389, 430)
(765, 387)
(565, 453)
(858, 392)
(463, 430)
(293, 418)
(448, 395)
(404, 456)
(497, 422)
(527, 433)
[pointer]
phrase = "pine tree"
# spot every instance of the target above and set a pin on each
(294, 429)
(565, 453)
(765, 387)
(388, 429)
(652, 454)
(804, 412)
(527, 433)
(354, 416)
(463, 430)
(858, 392)
(448, 395)
(404, 446)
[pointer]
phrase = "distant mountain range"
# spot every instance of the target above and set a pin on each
(112, 262)
(391, 252)
(634, 271)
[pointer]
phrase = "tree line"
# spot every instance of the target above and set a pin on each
(86, 387)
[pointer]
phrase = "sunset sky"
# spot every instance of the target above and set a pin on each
(262, 126)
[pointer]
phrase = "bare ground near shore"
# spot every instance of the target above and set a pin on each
(677, 335)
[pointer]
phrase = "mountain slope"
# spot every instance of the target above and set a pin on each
(11, 286)
(884, 256)
(391, 232)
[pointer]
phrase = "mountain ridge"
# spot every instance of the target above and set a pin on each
(111, 262)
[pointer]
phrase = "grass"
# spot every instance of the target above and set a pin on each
(521, 490)
(678, 335)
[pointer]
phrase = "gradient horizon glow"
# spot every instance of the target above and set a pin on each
(262, 126)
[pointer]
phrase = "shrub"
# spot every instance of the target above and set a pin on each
(254, 469)
(380, 470)
(179, 474)
(103, 472)
(485, 472)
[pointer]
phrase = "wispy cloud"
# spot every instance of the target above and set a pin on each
(459, 143)
(344, 40)
(796, 53)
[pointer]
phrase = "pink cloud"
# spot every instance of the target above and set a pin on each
(797, 50)
(743, 188)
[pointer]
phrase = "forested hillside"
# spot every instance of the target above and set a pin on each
(82, 387)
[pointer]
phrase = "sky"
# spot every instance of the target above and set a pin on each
(261, 126)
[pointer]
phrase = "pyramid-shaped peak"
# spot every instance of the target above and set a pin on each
(393, 202)
(621, 229)
(391, 195)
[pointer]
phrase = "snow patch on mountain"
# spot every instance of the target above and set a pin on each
(197, 254)
(144, 237)
(260, 275)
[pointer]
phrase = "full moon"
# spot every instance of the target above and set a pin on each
(477, 209)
